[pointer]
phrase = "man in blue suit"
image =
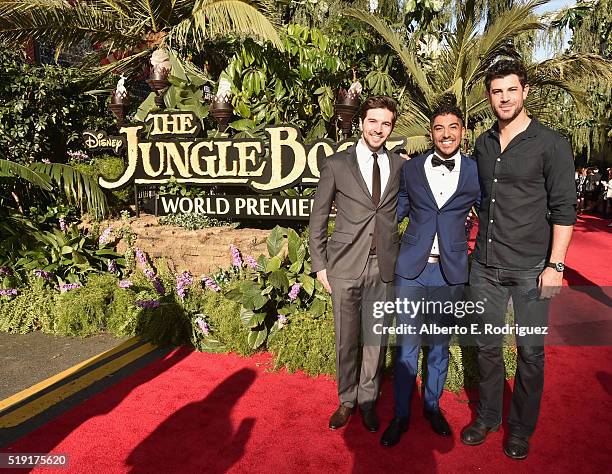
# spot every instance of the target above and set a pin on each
(437, 191)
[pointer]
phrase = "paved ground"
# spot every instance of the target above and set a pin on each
(26, 359)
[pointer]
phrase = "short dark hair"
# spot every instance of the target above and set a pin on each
(446, 109)
(506, 67)
(378, 102)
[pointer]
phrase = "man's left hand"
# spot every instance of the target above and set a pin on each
(549, 282)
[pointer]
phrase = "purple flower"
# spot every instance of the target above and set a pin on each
(46, 161)
(159, 286)
(6, 271)
(203, 326)
(69, 286)
(251, 262)
(282, 320)
(105, 237)
(147, 304)
(62, 224)
(150, 274)
(141, 257)
(9, 292)
(295, 289)
(211, 284)
(112, 266)
(236, 260)
(125, 284)
(183, 281)
(78, 155)
(42, 274)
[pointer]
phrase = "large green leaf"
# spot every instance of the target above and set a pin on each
(11, 169)
(295, 246)
(279, 280)
(275, 241)
(252, 297)
(257, 338)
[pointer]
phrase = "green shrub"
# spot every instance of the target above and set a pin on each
(306, 343)
(82, 311)
(227, 332)
(166, 325)
(31, 310)
(191, 221)
(122, 315)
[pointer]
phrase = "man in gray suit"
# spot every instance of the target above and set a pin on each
(357, 264)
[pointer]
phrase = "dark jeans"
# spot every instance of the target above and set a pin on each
(494, 286)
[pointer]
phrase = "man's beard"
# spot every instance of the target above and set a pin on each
(516, 113)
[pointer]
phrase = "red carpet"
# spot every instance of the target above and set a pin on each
(193, 412)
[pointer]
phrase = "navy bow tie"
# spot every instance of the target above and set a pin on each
(437, 161)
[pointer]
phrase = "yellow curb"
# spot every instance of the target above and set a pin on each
(38, 405)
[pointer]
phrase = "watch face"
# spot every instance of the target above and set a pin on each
(559, 267)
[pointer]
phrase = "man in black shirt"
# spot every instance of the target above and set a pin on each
(527, 212)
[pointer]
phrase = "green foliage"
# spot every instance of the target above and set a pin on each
(31, 310)
(82, 311)
(227, 333)
(109, 167)
(42, 113)
(306, 343)
(280, 285)
(27, 245)
(122, 314)
(193, 221)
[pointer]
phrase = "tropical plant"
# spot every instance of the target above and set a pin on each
(132, 29)
(67, 255)
(278, 286)
(466, 53)
(43, 111)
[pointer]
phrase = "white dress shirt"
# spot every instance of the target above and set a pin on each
(366, 163)
(443, 184)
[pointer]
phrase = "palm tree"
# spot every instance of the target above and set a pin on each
(76, 186)
(134, 28)
(457, 74)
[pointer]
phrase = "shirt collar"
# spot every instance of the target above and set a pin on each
(531, 131)
(365, 153)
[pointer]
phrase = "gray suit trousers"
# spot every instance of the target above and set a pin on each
(358, 367)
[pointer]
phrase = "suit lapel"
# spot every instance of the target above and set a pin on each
(354, 167)
(423, 175)
(462, 179)
(395, 163)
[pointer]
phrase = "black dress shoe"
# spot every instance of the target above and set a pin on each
(370, 420)
(438, 422)
(340, 417)
(476, 433)
(516, 447)
(394, 431)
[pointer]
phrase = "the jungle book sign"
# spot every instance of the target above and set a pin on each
(168, 145)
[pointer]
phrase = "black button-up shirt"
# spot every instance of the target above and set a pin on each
(525, 189)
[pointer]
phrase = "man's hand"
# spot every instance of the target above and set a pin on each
(322, 277)
(549, 282)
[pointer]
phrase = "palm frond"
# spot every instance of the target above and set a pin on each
(77, 186)
(406, 56)
(58, 22)
(10, 169)
(217, 18)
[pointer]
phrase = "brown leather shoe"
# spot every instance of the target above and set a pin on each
(340, 417)
(476, 433)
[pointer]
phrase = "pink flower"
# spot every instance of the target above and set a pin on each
(69, 286)
(141, 257)
(251, 262)
(125, 284)
(236, 260)
(105, 237)
(282, 320)
(203, 326)
(295, 289)
(210, 284)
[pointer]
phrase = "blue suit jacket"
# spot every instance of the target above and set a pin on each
(417, 201)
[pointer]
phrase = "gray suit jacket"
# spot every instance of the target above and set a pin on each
(345, 255)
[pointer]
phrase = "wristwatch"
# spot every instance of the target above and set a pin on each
(557, 266)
